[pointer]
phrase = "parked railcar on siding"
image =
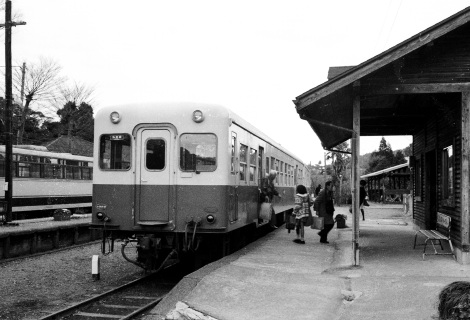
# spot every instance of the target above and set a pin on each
(45, 181)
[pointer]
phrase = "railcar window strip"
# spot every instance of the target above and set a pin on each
(45, 170)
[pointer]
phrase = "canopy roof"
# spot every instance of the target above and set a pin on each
(398, 88)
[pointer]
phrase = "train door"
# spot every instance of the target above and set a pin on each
(233, 188)
(153, 176)
(260, 177)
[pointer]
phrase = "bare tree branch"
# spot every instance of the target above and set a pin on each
(76, 93)
(42, 81)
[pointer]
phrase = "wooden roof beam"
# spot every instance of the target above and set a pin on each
(414, 88)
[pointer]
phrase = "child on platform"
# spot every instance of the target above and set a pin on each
(301, 212)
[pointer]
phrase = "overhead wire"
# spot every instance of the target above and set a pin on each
(383, 25)
(393, 22)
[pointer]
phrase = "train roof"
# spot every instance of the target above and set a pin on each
(140, 112)
(42, 151)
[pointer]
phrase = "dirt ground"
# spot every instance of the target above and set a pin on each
(33, 287)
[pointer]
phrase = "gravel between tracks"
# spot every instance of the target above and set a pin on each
(33, 287)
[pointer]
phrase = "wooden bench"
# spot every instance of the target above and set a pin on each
(444, 222)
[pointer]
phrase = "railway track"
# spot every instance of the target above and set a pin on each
(125, 302)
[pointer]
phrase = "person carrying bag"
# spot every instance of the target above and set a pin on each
(324, 208)
(302, 212)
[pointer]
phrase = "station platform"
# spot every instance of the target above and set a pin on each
(19, 226)
(275, 278)
(26, 237)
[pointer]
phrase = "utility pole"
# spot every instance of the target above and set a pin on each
(8, 187)
(23, 72)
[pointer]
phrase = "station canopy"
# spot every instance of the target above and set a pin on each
(398, 88)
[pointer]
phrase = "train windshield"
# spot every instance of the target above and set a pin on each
(115, 152)
(198, 152)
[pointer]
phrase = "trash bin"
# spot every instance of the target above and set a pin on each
(62, 214)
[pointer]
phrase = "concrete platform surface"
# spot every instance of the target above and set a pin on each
(275, 278)
(41, 224)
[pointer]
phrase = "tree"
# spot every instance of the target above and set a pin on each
(384, 158)
(77, 111)
(408, 151)
(41, 84)
(77, 120)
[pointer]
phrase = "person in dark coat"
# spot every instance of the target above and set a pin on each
(362, 197)
(317, 190)
(324, 207)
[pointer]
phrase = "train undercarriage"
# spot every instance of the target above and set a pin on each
(152, 250)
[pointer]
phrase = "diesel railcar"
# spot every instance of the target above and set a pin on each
(178, 178)
(45, 181)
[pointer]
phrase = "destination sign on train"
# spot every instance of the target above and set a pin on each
(116, 137)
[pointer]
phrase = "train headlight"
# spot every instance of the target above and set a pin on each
(198, 116)
(115, 117)
(210, 219)
(102, 216)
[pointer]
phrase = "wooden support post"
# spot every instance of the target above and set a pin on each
(465, 176)
(355, 171)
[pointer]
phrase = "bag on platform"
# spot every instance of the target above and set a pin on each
(318, 223)
(309, 221)
(265, 211)
(290, 221)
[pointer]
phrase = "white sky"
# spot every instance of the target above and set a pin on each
(254, 57)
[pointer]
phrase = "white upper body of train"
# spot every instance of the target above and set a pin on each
(159, 165)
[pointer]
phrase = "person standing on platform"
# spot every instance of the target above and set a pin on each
(324, 207)
(317, 190)
(301, 211)
(270, 191)
(362, 197)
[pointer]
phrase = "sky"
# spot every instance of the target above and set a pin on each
(253, 57)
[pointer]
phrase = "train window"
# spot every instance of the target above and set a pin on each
(198, 152)
(253, 156)
(243, 158)
(267, 166)
(234, 144)
(260, 164)
(277, 170)
(286, 177)
(156, 154)
(115, 152)
(281, 173)
(291, 179)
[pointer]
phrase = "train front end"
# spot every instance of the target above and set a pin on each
(158, 180)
